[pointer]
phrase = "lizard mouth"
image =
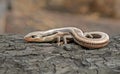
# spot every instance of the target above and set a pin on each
(32, 39)
(27, 39)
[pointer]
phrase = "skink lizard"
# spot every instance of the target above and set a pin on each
(88, 39)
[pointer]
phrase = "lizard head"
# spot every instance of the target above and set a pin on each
(34, 37)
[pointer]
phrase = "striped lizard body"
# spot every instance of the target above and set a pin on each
(88, 39)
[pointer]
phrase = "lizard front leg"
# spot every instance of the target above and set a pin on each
(62, 36)
(66, 38)
(58, 40)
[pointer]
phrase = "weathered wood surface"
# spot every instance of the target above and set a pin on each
(19, 57)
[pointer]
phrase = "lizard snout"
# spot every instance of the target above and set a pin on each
(33, 38)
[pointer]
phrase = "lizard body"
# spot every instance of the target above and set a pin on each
(87, 39)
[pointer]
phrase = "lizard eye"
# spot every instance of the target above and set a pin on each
(33, 36)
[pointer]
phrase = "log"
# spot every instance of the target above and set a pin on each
(20, 57)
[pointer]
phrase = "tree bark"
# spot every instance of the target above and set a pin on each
(20, 57)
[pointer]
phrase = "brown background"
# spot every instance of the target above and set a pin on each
(24, 16)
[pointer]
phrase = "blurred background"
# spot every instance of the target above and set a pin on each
(24, 16)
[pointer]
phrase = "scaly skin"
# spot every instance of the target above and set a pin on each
(88, 39)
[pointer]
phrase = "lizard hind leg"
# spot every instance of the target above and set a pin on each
(89, 36)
